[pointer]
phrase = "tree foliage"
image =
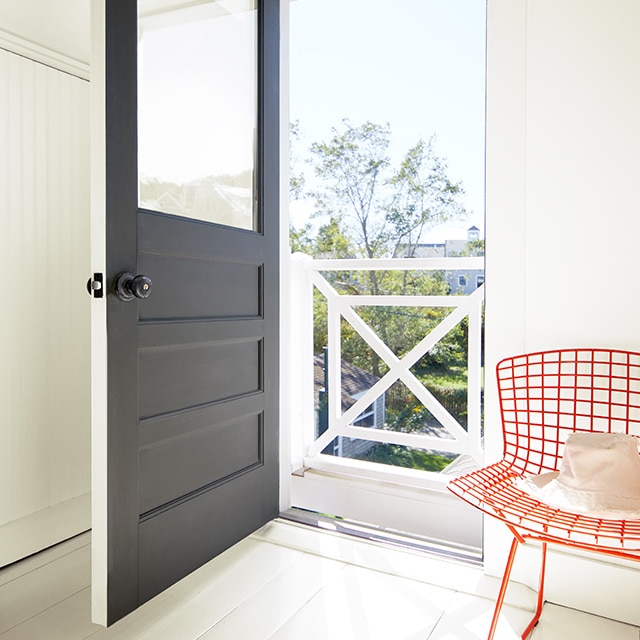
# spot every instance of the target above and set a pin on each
(383, 209)
(351, 169)
(296, 175)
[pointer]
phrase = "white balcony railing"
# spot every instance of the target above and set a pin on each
(452, 438)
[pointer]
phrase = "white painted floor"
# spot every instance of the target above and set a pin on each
(287, 582)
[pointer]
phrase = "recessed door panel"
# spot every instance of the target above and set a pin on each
(188, 287)
(207, 524)
(209, 272)
(175, 378)
(179, 466)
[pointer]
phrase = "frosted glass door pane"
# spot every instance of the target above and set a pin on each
(197, 109)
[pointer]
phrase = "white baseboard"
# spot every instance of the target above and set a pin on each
(37, 531)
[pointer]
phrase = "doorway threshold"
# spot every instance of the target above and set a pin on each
(399, 539)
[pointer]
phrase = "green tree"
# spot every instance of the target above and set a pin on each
(351, 171)
(333, 242)
(296, 175)
(384, 210)
(423, 195)
(301, 240)
(474, 248)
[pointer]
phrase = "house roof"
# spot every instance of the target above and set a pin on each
(436, 249)
(355, 381)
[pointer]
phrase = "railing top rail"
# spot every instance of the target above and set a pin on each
(393, 264)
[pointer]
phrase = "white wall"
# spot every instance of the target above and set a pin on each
(56, 32)
(44, 323)
(563, 214)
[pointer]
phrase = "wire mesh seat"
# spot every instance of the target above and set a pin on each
(545, 397)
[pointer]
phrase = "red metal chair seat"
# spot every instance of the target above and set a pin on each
(544, 397)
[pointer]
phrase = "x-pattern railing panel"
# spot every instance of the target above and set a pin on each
(457, 440)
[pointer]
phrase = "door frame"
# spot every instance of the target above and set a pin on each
(98, 319)
(99, 362)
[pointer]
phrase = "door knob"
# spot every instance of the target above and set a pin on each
(129, 286)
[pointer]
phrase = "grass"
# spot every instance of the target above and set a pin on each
(406, 457)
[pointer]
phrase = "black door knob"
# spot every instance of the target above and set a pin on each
(129, 286)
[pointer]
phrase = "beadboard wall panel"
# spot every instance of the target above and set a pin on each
(44, 260)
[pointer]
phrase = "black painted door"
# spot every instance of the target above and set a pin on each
(192, 452)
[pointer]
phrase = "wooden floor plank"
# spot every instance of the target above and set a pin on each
(468, 617)
(269, 609)
(360, 604)
(30, 594)
(18, 569)
(67, 620)
(199, 601)
(560, 623)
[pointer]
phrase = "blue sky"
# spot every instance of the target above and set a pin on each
(417, 64)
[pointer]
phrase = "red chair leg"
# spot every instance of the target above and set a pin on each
(503, 588)
(536, 617)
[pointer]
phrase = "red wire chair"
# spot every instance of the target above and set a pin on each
(544, 397)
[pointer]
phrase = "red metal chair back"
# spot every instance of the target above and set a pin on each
(548, 395)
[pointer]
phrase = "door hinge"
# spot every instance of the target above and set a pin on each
(95, 286)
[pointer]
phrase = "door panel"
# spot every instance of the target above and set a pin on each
(180, 377)
(156, 430)
(175, 467)
(192, 434)
(218, 513)
(212, 272)
(195, 296)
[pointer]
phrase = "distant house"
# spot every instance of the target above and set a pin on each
(223, 199)
(459, 282)
(355, 382)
